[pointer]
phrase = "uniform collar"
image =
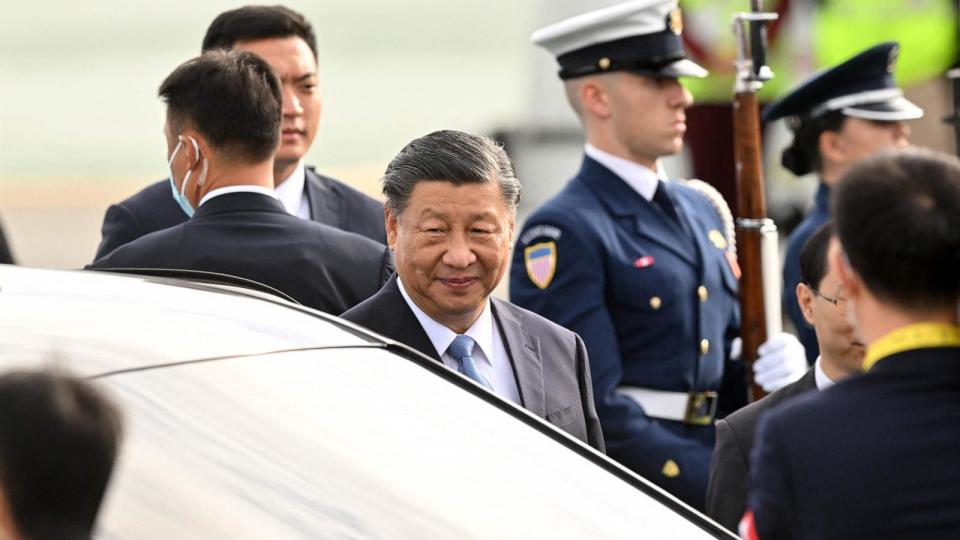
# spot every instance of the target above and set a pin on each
(823, 381)
(290, 191)
(441, 337)
(237, 189)
(641, 179)
(913, 336)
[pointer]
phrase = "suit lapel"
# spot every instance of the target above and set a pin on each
(324, 203)
(525, 356)
(396, 320)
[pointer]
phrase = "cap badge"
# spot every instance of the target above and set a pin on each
(675, 21)
(541, 263)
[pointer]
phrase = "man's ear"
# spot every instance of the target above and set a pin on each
(805, 298)
(391, 224)
(595, 97)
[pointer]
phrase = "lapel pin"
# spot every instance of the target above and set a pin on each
(643, 262)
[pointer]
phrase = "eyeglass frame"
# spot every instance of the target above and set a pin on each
(836, 301)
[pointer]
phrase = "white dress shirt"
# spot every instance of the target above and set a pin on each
(823, 381)
(290, 193)
(489, 354)
(641, 179)
(237, 189)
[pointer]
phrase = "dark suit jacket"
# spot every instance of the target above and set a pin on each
(874, 456)
(331, 202)
(730, 467)
(6, 257)
(549, 362)
(251, 235)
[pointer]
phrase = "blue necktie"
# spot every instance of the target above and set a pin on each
(462, 350)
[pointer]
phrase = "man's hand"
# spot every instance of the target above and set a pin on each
(782, 360)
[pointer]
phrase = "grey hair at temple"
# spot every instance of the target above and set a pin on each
(449, 156)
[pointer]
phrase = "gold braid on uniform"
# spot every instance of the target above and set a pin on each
(720, 205)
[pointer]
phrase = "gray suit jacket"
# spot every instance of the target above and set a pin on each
(549, 362)
(730, 467)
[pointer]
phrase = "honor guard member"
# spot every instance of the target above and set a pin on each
(640, 266)
(838, 117)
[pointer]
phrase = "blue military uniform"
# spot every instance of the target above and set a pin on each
(817, 217)
(655, 302)
(862, 87)
(637, 266)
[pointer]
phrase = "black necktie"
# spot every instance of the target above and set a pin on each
(662, 199)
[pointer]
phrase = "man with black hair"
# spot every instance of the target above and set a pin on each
(875, 455)
(287, 42)
(824, 305)
(221, 163)
(59, 438)
(451, 208)
(838, 118)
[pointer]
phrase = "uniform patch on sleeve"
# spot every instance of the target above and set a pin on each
(541, 262)
(540, 231)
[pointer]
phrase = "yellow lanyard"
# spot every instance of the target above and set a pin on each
(914, 336)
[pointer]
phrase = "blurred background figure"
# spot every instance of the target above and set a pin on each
(838, 118)
(6, 257)
(891, 434)
(840, 357)
(59, 438)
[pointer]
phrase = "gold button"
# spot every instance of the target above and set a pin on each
(655, 302)
(603, 63)
(704, 346)
(670, 469)
(702, 293)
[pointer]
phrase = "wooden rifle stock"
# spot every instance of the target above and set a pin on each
(752, 210)
(752, 222)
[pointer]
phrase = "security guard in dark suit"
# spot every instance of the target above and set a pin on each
(838, 117)
(639, 266)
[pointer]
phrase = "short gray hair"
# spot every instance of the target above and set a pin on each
(449, 156)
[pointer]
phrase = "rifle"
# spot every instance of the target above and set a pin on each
(756, 234)
(954, 119)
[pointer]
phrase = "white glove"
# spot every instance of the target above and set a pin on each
(782, 360)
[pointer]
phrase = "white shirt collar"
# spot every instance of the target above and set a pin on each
(823, 381)
(641, 179)
(441, 337)
(290, 193)
(237, 189)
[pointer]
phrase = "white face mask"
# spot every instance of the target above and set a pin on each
(179, 196)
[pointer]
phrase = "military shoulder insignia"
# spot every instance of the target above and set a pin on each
(540, 231)
(541, 262)
(670, 469)
(716, 237)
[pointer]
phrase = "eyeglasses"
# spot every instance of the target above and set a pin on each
(837, 300)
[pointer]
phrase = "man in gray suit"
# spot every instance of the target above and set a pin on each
(450, 215)
(823, 305)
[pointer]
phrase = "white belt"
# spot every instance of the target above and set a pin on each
(697, 408)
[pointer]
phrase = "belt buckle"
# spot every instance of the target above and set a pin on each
(701, 408)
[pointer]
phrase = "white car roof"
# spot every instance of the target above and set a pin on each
(109, 322)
